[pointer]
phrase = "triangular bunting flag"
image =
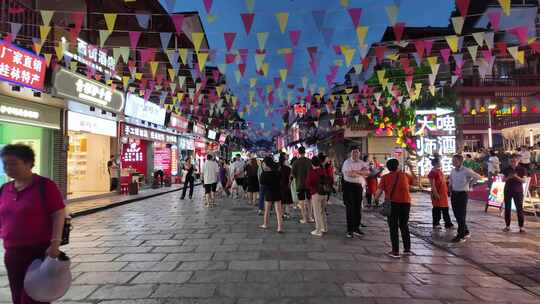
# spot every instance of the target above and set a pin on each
(46, 16)
(262, 37)
(452, 41)
(229, 39)
(282, 18)
(110, 20)
(207, 5)
(44, 31)
(361, 32)
(283, 74)
(399, 27)
(201, 59)
(183, 55)
(479, 38)
(518, 55)
(355, 14)
(506, 4)
(473, 49)
(48, 58)
(197, 39)
(103, 36)
(294, 36)
(250, 4)
(247, 19)
(178, 21)
(463, 7)
(488, 38)
(134, 39)
(153, 68)
(457, 22)
(143, 20)
(495, 19)
(392, 12)
(38, 44)
(165, 39)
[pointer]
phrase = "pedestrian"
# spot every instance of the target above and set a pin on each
(32, 215)
(318, 183)
(294, 193)
(371, 184)
(238, 172)
(252, 171)
(285, 187)
(525, 159)
(224, 177)
(210, 180)
(354, 174)
(396, 187)
(271, 179)
(514, 176)
(300, 170)
(493, 167)
(460, 181)
(114, 173)
(439, 196)
(262, 192)
(189, 180)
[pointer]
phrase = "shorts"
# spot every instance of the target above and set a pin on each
(210, 188)
(241, 182)
(303, 194)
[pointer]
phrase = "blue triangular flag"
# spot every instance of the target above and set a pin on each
(165, 39)
(327, 35)
(143, 20)
(15, 29)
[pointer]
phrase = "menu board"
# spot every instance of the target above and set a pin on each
(134, 156)
(162, 158)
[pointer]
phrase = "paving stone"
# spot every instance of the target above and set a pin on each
(185, 291)
(216, 248)
(497, 294)
(303, 265)
(141, 249)
(146, 301)
(141, 257)
(443, 280)
(99, 266)
(111, 277)
(211, 276)
(463, 270)
(185, 257)
(254, 265)
(331, 276)
(491, 281)
(310, 289)
(157, 236)
(274, 276)
(400, 267)
(122, 292)
(78, 292)
(249, 290)
(163, 243)
(387, 277)
(150, 266)
(236, 256)
(172, 277)
(331, 256)
(373, 290)
(95, 257)
(173, 249)
(203, 265)
(353, 265)
(438, 292)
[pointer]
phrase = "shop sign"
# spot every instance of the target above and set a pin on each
(148, 134)
(212, 146)
(186, 143)
(91, 56)
(139, 108)
(222, 138)
(200, 145)
(435, 136)
(162, 158)
(21, 67)
(212, 134)
(19, 111)
(77, 87)
(134, 156)
(91, 124)
(199, 130)
(174, 160)
(179, 123)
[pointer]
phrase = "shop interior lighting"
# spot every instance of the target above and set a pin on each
(16, 88)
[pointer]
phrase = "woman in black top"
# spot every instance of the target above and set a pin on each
(286, 196)
(190, 179)
(271, 179)
(252, 171)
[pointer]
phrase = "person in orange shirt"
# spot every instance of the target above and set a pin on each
(439, 196)
(396, 186)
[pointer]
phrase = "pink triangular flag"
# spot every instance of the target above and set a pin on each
(178, 21)
(294, 36)
(487, 55)
(229, 39)
(247, 19)
(521, 33)
(463, 6)
(379, 52)
(495, 20)
(445, 53)
(355, 14)
(134, 38)
(398, 30)
(289, 58)
(420, 47)
(428, 44)
(77, 19)
(243, 54)
(277, 82)
(207, 5)
(242, 68)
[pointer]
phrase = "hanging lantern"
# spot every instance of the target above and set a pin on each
(473, 112)
(482, 109)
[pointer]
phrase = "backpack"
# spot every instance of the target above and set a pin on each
(43, 196)
(324, 186)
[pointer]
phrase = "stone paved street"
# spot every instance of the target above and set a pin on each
(163, 250)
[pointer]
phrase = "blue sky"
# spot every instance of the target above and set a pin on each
(227, 14)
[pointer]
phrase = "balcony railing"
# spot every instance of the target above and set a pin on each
(511, 81)
(498, 122)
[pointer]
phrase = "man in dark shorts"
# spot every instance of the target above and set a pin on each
(514, 176)
(210, 179)
(300, 171)
(238, 172)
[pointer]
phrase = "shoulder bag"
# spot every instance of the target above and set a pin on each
(386, 206)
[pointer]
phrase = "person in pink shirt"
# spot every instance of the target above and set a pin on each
(32, 214)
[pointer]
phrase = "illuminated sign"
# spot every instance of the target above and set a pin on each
(199, 130)
(92, 56)
(77, 87)
(91, 124)
(174, 160)
(179, 123)
(222, 138)
(19, 112)
(212, 134)
(139, 108)
(148, 134)
(436, 137)
(21, 67)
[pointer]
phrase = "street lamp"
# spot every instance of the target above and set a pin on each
(490, 132)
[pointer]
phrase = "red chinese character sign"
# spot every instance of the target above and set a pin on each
(436, 136)
(21, 67)
(134, 155)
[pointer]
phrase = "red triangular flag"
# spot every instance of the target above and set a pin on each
(77, 19)
(463, 6)
(242, 68)
(495, 20)
(398, 30)
(178, 21)
(379, 52)
(134, 38)
(355, 14)
(247, 19)
(229, 58)
(207, 5)
(294, 36)
(420, 47)
(428, 44)
(229, 39)
(502, 48)
(289, 58)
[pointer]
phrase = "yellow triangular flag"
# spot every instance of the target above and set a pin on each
(393, 57)
(201, 59)
(197, 39)
(452, 41)
(73, 66)
(479, 38)
(265, 68)
(518, 55)
(361, 32)
(125, 81)
(283, 74)
(110, 20)
(180, 96)
(252, 82)
(59, 49)
(259, 60)
(138, 76)
(262, 37)
(103, 36)
(153, 68)
(219, 89)
(432, 60)
(172, 74)
(46, 16)
(380, 75)
(506, 4)
(48, 58)
(37, 46)
(44, 31)
(457, 22)
(183, 55)
(432, 90)
(282, 19)
(344, 3)
(212, 18)
(473, 50)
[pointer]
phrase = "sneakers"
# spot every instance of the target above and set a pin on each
(324, 231)
(358, 233)
(408, 253)
(349, 235)
(260, 212)
(316, 233)
(467, 235)
(393, 254)
(363, 226)
(506, 229)
(458, 239)
(302, 222)
(449, 226)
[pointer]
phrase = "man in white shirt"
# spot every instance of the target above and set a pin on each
(460, 181)
(354, 173)
(210, 179)
(238, 173)
(525, 158)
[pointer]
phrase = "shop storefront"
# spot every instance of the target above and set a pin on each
(32, 124)
(92, 129)
(200, 145)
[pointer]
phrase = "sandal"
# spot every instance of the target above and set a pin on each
(263, 227)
